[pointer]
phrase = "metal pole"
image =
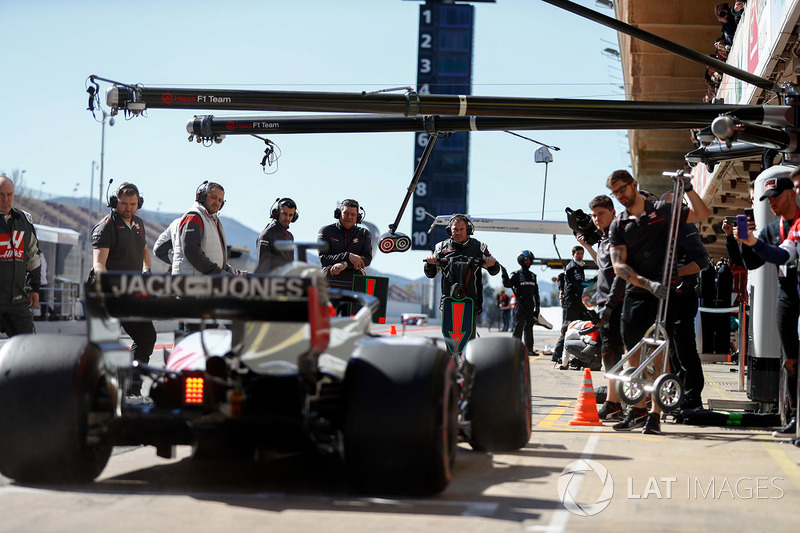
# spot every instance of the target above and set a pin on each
(89, 216)
(415, 179)
(544, 192)
(102, 156)
(414, 105)
(667, 45)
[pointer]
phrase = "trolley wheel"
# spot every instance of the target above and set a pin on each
(668, 392)
(629, 391)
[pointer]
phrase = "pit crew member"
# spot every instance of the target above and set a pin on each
(638, 242)
(526, 289)
(19, 263)
(118, 243)
(200, 247)
(460, 243)
(349, 245)
(282, 213)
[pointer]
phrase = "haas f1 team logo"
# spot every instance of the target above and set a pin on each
(12, 246)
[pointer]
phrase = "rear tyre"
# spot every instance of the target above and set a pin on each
(498, 394)
(48, 386)
(400, 417)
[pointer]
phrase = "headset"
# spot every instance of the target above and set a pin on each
(337, 213)
(202, 192)
(459, 216)
(114, 199)
(283, 202)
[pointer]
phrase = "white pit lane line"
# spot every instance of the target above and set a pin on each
(558, 522)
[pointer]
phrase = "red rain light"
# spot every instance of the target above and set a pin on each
(194, 390)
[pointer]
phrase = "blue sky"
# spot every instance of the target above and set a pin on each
(521, 48)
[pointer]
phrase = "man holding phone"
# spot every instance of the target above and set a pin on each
(782, 201)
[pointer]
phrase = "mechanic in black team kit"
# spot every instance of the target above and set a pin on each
(462, 244)
(611, 347)
(573, 288)
(526, 290)
(571, 298)
(638, 238)
(19, 259)
(282, 213)
(349, 246)
(118, 243)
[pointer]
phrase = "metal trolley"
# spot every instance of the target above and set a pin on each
(634, 382)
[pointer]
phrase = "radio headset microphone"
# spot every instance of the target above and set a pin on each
(108, 200)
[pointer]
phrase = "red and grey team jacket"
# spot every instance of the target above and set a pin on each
(19, 257)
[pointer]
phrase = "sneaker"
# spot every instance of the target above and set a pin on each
(652, 426)
(610, 411)
(788, 430)
(635, 418)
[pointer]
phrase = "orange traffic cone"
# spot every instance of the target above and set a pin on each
(586, 408)
(393, 330)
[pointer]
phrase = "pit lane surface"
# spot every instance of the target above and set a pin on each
(689, 477)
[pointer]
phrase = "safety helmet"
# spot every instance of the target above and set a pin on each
(523, 255)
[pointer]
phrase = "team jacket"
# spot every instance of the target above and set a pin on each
(268, 256)
(573, 284)
(472, 248)
(526, 289)
(341, 243)
(19, 257)
(200, 247)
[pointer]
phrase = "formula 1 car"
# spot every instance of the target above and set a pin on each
(283, 375)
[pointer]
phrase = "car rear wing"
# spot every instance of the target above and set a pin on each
(129, 296)
(267, 298)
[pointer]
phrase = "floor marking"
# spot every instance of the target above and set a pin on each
(558, 522)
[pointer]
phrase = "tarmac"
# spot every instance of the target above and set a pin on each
(576, 478)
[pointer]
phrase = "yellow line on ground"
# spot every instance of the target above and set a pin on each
(785, 463)
(549, 422)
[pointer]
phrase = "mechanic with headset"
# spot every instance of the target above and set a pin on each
(118, 243)
(349, 246)
(282, 213)
(526, 289)
(460, 243)
(19, 259)
(200, 247)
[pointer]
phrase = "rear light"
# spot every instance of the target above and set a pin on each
(194, 390)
